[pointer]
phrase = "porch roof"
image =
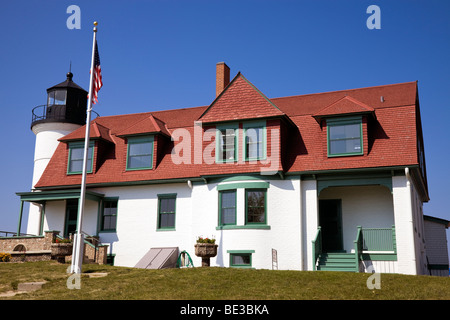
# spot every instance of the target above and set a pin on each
(43, 196)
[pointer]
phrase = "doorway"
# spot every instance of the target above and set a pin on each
(70, 225)
(330, 220)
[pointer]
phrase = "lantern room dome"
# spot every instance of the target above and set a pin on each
(66, 102)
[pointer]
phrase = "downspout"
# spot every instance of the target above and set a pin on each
(411, 218)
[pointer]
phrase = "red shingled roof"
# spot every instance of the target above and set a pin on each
(147, 125)
(391, 136)
(97, 131)
(344, 106)
(240, 100)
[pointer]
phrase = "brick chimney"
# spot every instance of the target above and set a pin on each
(222, 77)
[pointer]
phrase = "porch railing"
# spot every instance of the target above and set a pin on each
(368, 240)
(378, 239)
(317, 247)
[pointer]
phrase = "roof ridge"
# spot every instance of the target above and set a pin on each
(346, 90)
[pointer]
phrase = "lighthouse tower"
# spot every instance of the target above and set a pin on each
(64, 112)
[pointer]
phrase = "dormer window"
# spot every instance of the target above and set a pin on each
(255, 141)
(140, 153)
(227, 143)
(76, 155)
(345, 136)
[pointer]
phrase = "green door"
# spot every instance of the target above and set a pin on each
(330, 219)
(70, 225)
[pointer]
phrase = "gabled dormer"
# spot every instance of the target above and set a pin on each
(248, 125)
(100, 145)
(145, 141)
(345, 123)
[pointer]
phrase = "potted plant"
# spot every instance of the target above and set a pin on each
(61, 248)
(205, 248)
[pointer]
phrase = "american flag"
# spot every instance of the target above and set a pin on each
(97, 78)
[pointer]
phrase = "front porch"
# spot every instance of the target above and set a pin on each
(54, 210)
(356, 220)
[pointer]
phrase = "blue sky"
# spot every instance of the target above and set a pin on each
(158, 55)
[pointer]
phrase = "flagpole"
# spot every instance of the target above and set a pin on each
(77, 259)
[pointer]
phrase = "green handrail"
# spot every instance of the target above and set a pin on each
(189, 264)
(317, 246)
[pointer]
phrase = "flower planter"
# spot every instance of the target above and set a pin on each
(205, 251)
(61, 250)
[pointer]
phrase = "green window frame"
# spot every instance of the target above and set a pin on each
(109, 214)
(140, 153)
(166, 211)
(227, 207)
(254, 140)
(241, 258)
(227, 149)
(256, 206)
(76, 155)
(345, 137)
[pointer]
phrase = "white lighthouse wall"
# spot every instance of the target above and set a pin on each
(47, 135)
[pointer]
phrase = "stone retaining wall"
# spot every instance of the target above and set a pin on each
(38, 248)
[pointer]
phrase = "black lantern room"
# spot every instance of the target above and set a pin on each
(66, 102)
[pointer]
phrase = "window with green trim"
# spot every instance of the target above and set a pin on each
(241, 259)
(227, 207)
(109, 214)
(345, 137)
(227, 144)
(140, 153)
(255, 206)
(254, 142)
(76, 156)
(166, 211)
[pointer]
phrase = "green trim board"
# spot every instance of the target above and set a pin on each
(53, 195)
(247, 226)
(141, 155)
(241, 185)
(337, 139)
(379, 256)
(353, 180)
(241, 177)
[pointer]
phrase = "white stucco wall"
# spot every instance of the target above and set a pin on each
(310, 221)
(408, 218)
(197, 215)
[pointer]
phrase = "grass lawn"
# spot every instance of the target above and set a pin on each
(214, 284)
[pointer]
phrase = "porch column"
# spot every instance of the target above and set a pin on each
(310, 219)
(404, 227)
(20, 218)
(41, 225)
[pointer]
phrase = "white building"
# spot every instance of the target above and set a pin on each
(330, 181)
